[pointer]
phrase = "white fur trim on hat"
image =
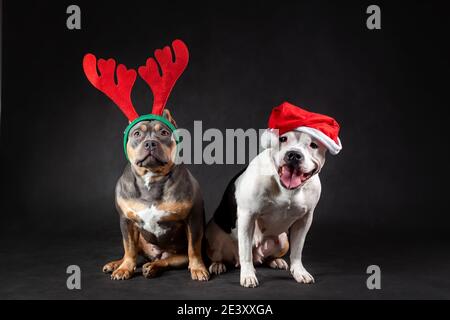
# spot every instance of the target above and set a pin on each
(332, 146)
(269, 138)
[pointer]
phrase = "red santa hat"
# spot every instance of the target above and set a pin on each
(288, 117)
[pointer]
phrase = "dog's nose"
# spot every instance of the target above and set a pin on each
(293, 157)
(150, 144)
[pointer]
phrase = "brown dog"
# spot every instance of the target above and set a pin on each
(160, 206)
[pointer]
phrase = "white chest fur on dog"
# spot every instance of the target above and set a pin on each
(259, 192)
(151, 217)
(277, 213)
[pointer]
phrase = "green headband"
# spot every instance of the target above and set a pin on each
(147, 117)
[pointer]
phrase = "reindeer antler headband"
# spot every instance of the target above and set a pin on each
(160, 84)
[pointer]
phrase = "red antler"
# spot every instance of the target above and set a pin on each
(163, 84)
(119, 93)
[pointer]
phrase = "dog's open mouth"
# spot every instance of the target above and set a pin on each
(292, 178)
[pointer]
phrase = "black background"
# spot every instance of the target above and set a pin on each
(382, 200)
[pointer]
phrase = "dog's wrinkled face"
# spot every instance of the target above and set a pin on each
(151, 146)
(298, 157)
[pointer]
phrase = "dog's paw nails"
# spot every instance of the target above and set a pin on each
(301, 275)
(249, 281)
(278, 264)
(121, 274)
(150, 270)
(217, 268)
(199, 274)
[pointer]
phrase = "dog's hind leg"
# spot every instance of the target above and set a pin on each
(278, 263)
(217, 268)
(112, 266)
(155, 268)
(280, 248)
(221, 249)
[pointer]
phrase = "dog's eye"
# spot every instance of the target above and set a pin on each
(165, 133)
(283, 139)
(313, 145)
(137, 134)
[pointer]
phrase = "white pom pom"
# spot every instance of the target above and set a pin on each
(269, 139)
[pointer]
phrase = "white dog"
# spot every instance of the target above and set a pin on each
(274, 196)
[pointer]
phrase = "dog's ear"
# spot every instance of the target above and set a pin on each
(168, 116)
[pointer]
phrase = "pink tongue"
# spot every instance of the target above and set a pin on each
(290, 178)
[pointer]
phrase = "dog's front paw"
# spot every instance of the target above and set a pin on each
(278, 264)
(122, 274)
(248, 277)
(217, 268)
(301, 275)
(199, 273)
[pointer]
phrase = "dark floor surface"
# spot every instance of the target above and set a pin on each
(36, 269)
